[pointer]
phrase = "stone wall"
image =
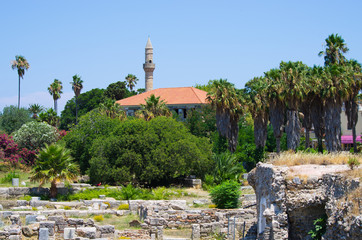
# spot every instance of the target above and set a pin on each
(287, 205)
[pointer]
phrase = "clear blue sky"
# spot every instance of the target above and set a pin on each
(194, 41)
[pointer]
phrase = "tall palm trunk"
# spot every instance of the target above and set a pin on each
(56, 106)
(53, 189)
(260, 129)
(292, 129)
(233, 132)
(352, 118)
(76, 109)
(307, 121)
(19, 94)
(317, 118)
(333, 125)
(277, 120)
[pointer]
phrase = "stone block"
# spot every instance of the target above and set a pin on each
(43, 234)
(37, 203)
(87, 232)
(69, 233)
(106, 229)
(75, 221)
(15, 220)
(40, 218)
(58, 219)
(28, 231)
(15, 237)
(18, 191)
(195, 232)
(30, 219)
(50, 225)
(22, 203)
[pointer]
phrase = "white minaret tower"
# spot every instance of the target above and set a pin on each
(149, 66)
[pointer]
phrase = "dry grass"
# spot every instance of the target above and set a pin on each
(355, 173)
(293, 159)
(354, 197)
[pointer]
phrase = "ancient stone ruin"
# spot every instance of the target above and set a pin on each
(289, 200)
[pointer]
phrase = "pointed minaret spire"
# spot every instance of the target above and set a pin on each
(149, 66)
(149, 44)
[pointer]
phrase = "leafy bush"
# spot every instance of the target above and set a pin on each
(34, 135)
(319, 228)
(227, 167)
(8, 178)
(8, 149)
(86, 102)
(26, 197)
(123, 207)
(81, 137)
(9, 152)
(67, 208)
(98, 218)
(150, 152)
(226, 195)
(13, 118)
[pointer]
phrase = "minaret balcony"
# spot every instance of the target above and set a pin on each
(148, 65)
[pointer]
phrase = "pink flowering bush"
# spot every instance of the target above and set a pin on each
(9, 152)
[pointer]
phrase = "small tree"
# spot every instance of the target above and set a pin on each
(54, 164)
(226, 195)
(34, 135)
(13, 118)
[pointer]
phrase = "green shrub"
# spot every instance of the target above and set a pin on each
(98, 218)
(12, 118)
(123, 207)
(34, 135)
(226, 195)
(153, 152)
(319, 228)
(26, 197)
(67, 208)
(353, 162)
(8, 178)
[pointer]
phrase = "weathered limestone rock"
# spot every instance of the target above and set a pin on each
(15, 220)
(50, 225)
(43, 234)
(288, 204)
(87, 232)
(69, 233)
(195, 232)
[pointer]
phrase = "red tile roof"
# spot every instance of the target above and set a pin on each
(172, 96)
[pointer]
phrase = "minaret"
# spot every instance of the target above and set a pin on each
(149, 66)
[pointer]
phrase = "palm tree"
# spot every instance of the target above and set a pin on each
(227, 167)
(50, 117)
(316, 106)
(334, 89)
(54, 164)
(229, 105)
(131, 81)
(335, 47)
(355, 74)
(112, 109)
(255, 95)
(21, 64)
(154, 107)
(35, 109)
(292, 77)
(55, 90)
(276, 103)
(77, 86)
